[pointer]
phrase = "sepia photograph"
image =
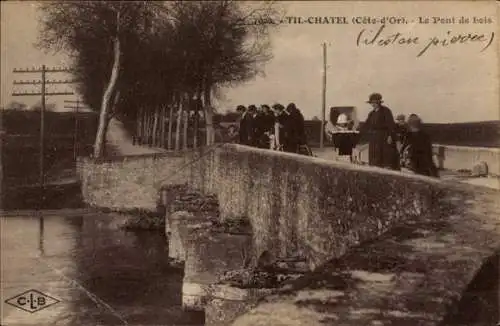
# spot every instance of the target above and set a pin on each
(246, 163)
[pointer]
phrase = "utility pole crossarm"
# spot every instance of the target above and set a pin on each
(60, 82)
(38, 82)
(27, 94)
(27, 82)
(38, 70)
(40, 93)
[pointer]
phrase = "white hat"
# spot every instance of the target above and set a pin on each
(342, 119)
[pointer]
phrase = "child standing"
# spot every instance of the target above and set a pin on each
(418, 149)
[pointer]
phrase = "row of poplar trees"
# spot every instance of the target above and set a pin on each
(150, 63)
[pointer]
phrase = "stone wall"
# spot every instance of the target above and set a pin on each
(457, 157)
(464, 158)
(311, 207)
(297, 205)
(322, 210)
(131, 182)
(440, 270)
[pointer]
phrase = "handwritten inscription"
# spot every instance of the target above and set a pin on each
(381, 38)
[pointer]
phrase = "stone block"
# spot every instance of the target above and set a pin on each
(208, 256)
(225, 303)
(480, 170)
(179, 227)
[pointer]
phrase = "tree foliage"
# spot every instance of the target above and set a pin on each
(170, 51)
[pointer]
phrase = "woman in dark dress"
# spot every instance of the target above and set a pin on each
(418, 145)
(381, 127)
(247, 126)
(295, 129)
(242, 130)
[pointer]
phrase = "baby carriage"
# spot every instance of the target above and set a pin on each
(341, 130)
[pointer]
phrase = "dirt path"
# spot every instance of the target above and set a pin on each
(119, 142)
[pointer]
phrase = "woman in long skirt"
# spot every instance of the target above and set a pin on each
(381, 127)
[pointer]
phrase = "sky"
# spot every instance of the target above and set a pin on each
(454, 83)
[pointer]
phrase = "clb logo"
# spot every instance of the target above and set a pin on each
(32, 301)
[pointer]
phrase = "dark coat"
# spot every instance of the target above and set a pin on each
(264, 122)
(380, 125)
(419, 147)
(268, 122)
(401, 132)
(295, 128)
(247, 129)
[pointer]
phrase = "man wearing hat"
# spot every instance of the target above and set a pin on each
(252, 125)
(381, 128)
(246, 124)
(241, 110)
(295, 129)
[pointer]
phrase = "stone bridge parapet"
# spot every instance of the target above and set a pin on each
(324, 210)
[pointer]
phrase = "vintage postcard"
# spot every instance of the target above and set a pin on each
(250, 163)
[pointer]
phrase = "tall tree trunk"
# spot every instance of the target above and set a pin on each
(185, 128)
(106, 99)
(209, 113)
(178, 125)
(144, 140)
(170, 126)
(138, 122)
(104, 149)
(155, 126)
(151, 125)
(196, 119)
(163, 120)
(146, 127)
(111, 115)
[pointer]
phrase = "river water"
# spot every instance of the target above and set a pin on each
(101, 274)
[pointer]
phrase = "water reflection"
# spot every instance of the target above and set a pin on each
(101, 274)
(41, 236)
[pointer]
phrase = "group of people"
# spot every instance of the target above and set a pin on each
(393, 143)
(273, 127)
(400, 143)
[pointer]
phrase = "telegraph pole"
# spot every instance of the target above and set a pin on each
(43, 82)
(42, 131)
(323, 103)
